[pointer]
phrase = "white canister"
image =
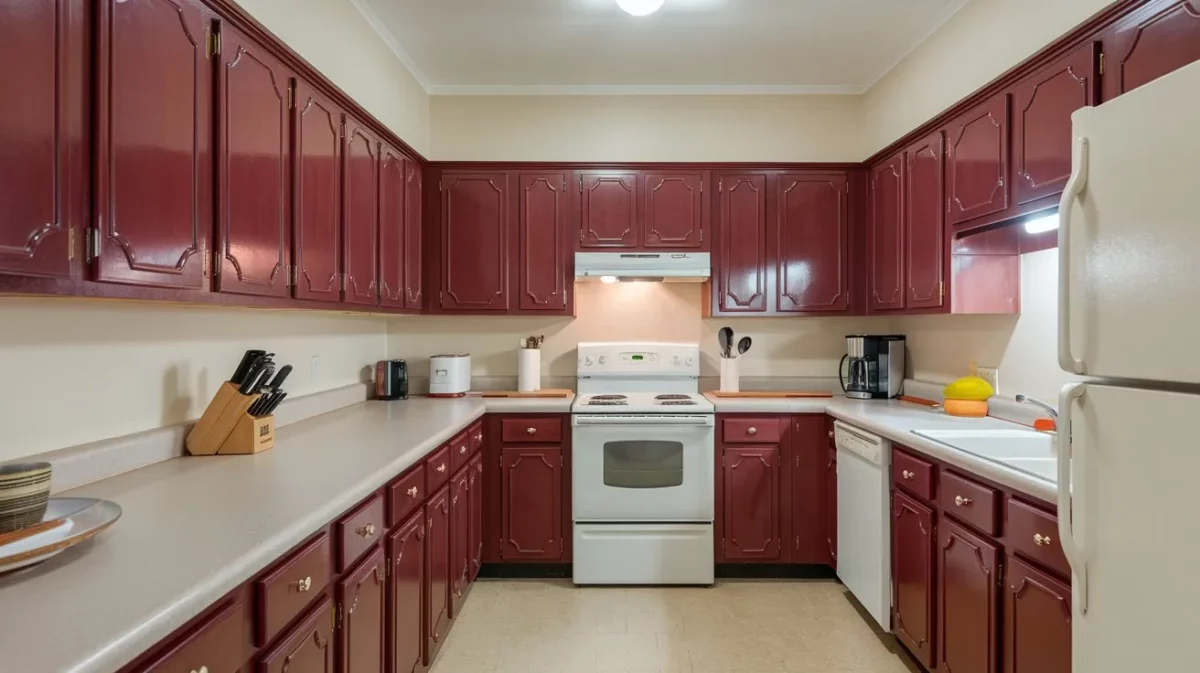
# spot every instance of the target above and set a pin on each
(529, 369)
(729, 375)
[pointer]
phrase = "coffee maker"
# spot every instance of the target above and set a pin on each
(876, 369)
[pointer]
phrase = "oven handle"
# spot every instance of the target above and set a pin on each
(612, 419)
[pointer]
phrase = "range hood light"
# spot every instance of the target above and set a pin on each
(640, 7)
(608, 279)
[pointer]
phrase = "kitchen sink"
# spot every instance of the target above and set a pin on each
(1002, 445)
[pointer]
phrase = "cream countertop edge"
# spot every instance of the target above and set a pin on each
(896, 420)
(232, 516)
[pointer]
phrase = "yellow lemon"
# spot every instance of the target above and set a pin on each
(969, 388)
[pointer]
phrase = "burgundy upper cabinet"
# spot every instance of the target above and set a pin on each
(608, 217)
(392, 235)
(360, 228)
(886, 254)
(741, 255)
(39, 136)
(254, 226)
(969, 593)
(813, 243)
(1161, 36)
(924, 234)
(475, 242)
(317, 190)
(977, 162)
(673, 212)
(1042, 107)
(531, 503)
(542, 250)
(751, 504)
(912, 576)
(154, 142)
(413, 224)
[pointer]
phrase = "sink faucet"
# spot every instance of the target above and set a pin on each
(1038, 403)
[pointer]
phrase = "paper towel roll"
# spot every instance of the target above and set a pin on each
(529, 369)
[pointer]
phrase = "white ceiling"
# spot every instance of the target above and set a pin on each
(689, 46)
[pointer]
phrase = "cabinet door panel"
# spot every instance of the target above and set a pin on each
(813, 243)
(475, 242)
(308, 647)
(531, 492)
(924, 240)
(807, 445)
(977, 162)
(363, 599)
(609, 210)
(968, 605)
(414, 282)
(392, 236)
(35, 141)
(318, 196)
(437, 572)
(912, 576)
(742, 249)
(831, 510)
(751, 503)
(1037, 621)
(460, 531)
(360, 223)
(1160, 37)
(254, 178)
(887, 235)
(673, 210)
(154, 177)
(541, 228)
(406, 553)
(475, 537)
(1042, 107)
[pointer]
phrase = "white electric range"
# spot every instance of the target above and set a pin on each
(643, 456)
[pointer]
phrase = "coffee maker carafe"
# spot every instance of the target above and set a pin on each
(876, 366)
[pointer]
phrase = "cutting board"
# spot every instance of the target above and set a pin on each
(545, 392)
(768, 395)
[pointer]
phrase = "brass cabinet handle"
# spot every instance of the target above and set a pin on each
(1041, 540)
(412, 492)
(908, 476)
(961, 501)
(532, 431)
(752, 431)
(366, 531)
(479, 437)
(441, 468)
(831, 434)
(304, 584)
(462, 449)
(202, 669)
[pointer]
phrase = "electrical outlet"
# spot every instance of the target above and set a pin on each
(991, 375)
(315, 370)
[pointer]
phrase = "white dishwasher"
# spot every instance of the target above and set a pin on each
(864, 553)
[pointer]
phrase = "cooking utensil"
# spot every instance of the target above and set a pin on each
(243, 367)
(254, 380)
(277, 382)
(744, 345)
(725, 339)
(276, 399)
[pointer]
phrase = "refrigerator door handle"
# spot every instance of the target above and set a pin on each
(1072, 191)
(1066, 526)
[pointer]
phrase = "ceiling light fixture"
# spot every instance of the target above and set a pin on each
(640, 7)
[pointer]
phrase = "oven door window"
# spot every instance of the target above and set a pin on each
(643, 464)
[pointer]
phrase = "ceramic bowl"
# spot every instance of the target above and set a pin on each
(24, 492)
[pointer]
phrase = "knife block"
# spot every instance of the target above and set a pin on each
(224, 413)
(250, 435)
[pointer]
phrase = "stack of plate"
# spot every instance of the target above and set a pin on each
(66, 523)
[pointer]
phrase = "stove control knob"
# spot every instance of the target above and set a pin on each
(587, 361)
(601, 359)
(675, 359)
(689, 361)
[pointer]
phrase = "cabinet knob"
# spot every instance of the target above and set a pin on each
(462, 449)
(752, 431)
(441, 468)
(366, 531)
(479, 437)
(908, 476)
(412, 492)
(202, 669)
(304, 584)
(532, 431)
(831, 434)
(1041, 540)
(961, 501)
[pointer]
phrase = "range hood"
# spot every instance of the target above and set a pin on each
(663, 267)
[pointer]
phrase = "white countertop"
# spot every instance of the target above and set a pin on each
(896, 421)
(528, 405)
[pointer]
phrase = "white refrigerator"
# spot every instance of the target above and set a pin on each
(1129, 319)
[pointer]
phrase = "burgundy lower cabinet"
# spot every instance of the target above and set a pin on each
(531, 488)
(968, 600)
(831, 510)
(220, 643)
(460, 528)
(362, 616)
(475, 531)
(806, 443)
(1037, 620)
(406, 595)
(913, 576)
(437, 572)
(308, 647)
(751, 505)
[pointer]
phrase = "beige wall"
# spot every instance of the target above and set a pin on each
(338, 41)
(645, 128)
(76, 371)
(983, 40)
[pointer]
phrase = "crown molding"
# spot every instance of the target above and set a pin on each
(957, 7)
(643, 90)
(390, 40)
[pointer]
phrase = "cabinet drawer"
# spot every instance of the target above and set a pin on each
(460, 450)
(476, 437)
(358, 531)
(1034, 533)
(969, 501)
(285, 591)
(220, 644)
(913, 474)
(751, 430)
(307, 647)
(437, 469)
(406, 494)
(526, 430)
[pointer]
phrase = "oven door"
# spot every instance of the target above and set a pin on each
(642, 468)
